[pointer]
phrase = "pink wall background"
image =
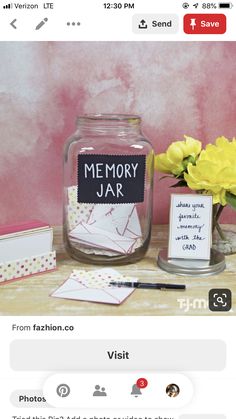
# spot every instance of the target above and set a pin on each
(178, 88)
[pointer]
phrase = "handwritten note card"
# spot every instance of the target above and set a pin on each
(190, 226)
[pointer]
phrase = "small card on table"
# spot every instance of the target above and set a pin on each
(190, 232)
(95, 286)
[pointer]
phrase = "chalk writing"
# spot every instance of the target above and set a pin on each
(113, 179)
(105, 170)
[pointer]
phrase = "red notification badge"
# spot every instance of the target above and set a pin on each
(142, 383)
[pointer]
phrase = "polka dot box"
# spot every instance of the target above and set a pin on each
(25, 267)
(25, 250)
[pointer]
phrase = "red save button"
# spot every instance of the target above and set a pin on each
(204, 24)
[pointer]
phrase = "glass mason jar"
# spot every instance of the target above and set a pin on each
(108, 182)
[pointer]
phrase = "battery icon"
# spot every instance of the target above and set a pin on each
(225, 5)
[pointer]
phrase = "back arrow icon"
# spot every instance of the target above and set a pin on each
(12, 23)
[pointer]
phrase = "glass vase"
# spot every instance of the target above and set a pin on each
(223, 236)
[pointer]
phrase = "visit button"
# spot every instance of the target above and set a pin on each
(204, 24)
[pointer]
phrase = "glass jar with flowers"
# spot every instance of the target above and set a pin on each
(210, 171)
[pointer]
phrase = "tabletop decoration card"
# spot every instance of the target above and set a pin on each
(190, 231)
(95, 286)
(25, 250)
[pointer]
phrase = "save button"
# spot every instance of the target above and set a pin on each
(204, 24)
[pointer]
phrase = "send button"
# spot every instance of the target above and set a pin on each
(162, 24)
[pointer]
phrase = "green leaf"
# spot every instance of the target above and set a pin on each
(179, 184)
(231, 199)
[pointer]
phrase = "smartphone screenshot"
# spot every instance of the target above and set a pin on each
(117, 210)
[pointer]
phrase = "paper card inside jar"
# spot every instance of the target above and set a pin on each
(110, 229)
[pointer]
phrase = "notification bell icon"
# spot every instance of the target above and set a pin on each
(136, 391)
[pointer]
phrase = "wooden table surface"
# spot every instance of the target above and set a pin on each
(31, 296)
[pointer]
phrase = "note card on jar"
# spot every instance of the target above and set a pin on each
(190, 231)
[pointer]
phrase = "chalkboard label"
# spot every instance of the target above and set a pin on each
(110, 179)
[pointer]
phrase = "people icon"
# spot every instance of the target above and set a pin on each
(99, 391)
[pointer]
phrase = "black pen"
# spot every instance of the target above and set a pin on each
(149, 285)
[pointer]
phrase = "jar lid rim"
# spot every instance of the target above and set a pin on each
(109, 117)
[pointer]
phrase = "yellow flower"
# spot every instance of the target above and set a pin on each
(215, 171)
(177, 156)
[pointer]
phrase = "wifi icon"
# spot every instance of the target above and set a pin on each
(7, 6)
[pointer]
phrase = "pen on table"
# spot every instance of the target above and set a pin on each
(149, 285)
